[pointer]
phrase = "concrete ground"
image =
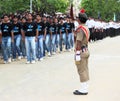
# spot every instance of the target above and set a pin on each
(55, 78)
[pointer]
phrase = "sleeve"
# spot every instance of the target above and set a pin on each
(73, 25)
(20, 26)
(65, 25)
(50, 28)
(60, 28)
(80, 35)
(35, 24)
(0, 28)
(43, 26)
(24, 27)
(11, 27)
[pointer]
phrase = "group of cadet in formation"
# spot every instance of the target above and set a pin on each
(35, 37)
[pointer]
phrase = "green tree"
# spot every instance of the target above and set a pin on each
(43, 6)
(103, 8)
(50, 6)
(7, 6)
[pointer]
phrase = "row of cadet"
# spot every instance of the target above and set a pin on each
(33, 38)
(100, 29)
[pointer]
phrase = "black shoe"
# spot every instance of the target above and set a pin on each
(76, 92)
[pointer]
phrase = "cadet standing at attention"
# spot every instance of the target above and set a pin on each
(82, 53)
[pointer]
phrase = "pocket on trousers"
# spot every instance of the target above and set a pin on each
(85, 54)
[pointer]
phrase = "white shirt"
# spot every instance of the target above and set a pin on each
(76, 24)
(98, 25)
(90, 23)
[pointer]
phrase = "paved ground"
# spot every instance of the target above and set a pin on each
(55, 78)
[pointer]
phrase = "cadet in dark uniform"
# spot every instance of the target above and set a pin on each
(53, 33)
(22, 44)
(6, 28)
(73, 29)
(57, 41)
(69, 27)
(63, 33)
(31, 35)
(47, 37)
(41, 38)
(17, 32)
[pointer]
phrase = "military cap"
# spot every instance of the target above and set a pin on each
(82, 15)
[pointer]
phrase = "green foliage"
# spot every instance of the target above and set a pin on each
(106, 8)
(43, 6)
(7, 6)
(50, 6)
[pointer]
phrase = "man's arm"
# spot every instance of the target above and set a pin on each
(23, 35)
(45, 31)
(12, 35)
(78, 45)
(36, 37)
(79, 38)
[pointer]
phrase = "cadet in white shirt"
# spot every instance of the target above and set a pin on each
(90, 23)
